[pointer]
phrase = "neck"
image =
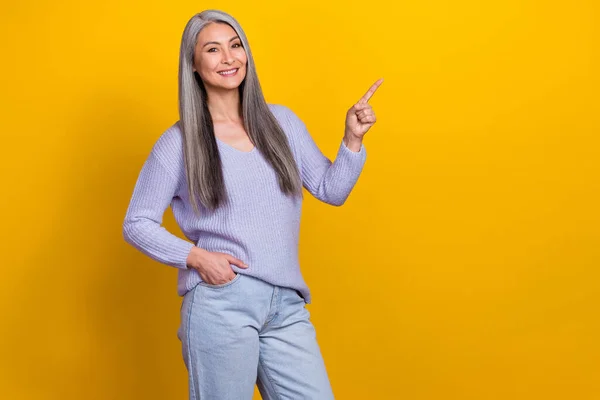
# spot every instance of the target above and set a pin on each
(224, 105)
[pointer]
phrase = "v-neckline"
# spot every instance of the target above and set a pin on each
(235, 149)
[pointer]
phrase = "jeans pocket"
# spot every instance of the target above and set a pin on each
(221, 285)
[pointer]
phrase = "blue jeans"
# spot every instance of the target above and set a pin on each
(246, 332)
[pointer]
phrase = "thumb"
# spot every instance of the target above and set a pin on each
(235, 261)
(360, 106)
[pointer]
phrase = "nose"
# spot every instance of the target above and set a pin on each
(227, 57)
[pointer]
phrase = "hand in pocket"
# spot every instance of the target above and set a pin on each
(214, 267)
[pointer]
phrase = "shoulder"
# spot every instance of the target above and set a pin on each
(283, 112)
(168, 148)
(278, 110)
(286, 116)
(169, 143)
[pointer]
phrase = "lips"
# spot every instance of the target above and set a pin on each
(228, 72)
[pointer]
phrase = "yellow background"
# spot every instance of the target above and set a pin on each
(464, 265)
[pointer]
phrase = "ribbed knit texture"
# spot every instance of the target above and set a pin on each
(260, 225)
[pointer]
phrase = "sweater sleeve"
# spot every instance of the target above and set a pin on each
(327, 181)
(152, 194)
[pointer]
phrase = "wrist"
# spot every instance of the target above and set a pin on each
(352, 143)
(192, 258)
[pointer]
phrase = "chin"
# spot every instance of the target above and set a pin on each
(230, 85)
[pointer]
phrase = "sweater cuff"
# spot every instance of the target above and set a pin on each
(354, 156)
(184, 250)
(350, 162)
(359, 152)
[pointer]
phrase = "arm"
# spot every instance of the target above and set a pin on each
(327, 181)
(153, 192)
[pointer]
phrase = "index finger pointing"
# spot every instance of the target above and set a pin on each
(371, 91)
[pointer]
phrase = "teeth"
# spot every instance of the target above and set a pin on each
(229, 72)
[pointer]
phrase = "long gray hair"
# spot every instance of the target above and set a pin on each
(201, 155)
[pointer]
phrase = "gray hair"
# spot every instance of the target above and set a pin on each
(201, 155)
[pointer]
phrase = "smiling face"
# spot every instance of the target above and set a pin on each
(219, 57)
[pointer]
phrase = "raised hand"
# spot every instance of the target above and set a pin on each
(361, 117)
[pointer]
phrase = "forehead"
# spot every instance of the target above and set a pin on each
(217, 32)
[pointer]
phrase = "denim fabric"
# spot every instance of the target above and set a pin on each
(246, 332)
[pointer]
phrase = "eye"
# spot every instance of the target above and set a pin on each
(212, 48)
(237, 44)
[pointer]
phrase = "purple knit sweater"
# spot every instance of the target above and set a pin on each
(259, 226)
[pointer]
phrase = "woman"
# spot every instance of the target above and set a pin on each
(232, 169)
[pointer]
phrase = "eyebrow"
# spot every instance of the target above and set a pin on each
(231, 40)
